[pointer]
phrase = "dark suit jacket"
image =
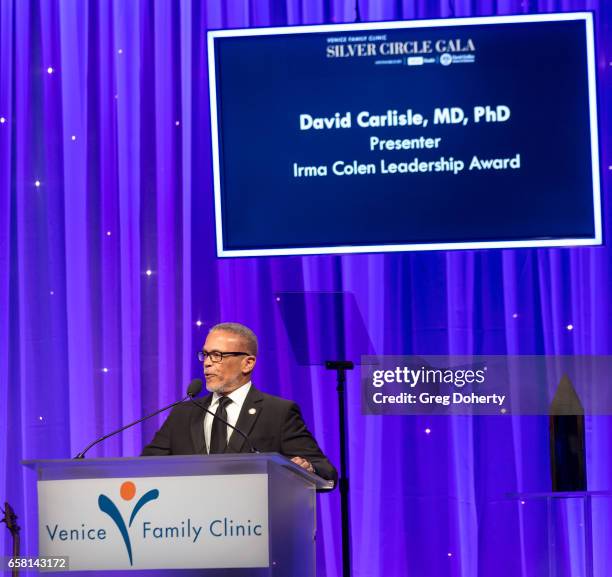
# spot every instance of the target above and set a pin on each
(275, 426)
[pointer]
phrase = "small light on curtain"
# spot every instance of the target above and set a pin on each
(2, 120)
(37, 183)
(149, 272)
(50, 70)
(570, 327)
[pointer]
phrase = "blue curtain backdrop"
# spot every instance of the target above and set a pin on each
(109, 281)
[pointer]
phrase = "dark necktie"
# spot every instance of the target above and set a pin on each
(218, 433)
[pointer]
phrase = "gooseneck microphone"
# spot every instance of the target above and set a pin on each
(194, 388)
(252, 449)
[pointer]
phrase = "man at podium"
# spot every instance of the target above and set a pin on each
(268, 423)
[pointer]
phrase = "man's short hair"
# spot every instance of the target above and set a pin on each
(246, 333)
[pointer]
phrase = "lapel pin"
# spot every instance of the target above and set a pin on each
(252, 411)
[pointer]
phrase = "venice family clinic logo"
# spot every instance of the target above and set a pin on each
(127, 492)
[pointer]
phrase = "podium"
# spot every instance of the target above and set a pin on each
(229, 514)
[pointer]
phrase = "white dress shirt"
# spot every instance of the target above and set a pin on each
(233, 410)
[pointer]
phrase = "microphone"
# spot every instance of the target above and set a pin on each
(194, 388)
(252, 449)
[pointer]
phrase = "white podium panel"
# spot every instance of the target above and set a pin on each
(156, 523)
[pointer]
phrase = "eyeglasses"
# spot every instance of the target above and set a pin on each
(217, 356)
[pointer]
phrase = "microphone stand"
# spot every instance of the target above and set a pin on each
(11, 524)
(343, 482)
(81, 455)
(194, 388)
